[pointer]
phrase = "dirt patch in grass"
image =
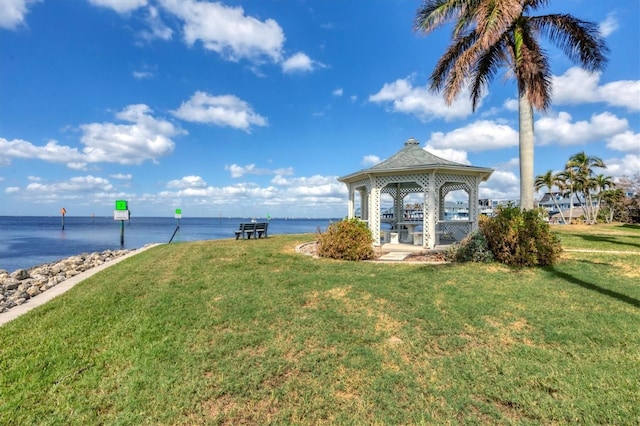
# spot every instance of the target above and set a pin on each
(626, 270)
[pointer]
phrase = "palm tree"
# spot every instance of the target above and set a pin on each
(549, 180)
(568, 182)
(582, 166)
(491, 34)
(601, 183)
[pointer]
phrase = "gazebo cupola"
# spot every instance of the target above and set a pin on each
(413, 170)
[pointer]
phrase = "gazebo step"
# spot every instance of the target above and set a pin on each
(395, 256)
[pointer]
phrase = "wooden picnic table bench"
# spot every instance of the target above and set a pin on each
(255, 229)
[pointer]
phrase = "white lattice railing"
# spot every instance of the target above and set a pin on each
(454, 230)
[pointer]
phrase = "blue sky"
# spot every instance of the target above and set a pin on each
(249, 108)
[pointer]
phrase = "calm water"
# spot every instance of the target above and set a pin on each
(30, 241)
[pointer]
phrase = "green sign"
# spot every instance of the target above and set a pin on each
(178, 211)
(121, 205)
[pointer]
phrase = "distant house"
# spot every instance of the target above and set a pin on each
(562, 201)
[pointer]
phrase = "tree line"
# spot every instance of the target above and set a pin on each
(600, 198)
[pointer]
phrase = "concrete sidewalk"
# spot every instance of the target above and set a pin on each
(46, 296)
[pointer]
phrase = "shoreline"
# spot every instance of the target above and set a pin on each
(26, 289)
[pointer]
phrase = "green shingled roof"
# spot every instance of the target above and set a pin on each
(413, 158)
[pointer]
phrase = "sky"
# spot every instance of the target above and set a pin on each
(255, 108)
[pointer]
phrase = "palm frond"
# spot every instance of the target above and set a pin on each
(580, 40)
(449, 60)
(486, 68)
(436, 13)
(532, 68)
(494, 18)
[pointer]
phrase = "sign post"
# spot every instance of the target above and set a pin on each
(63, 212)
(121, 213)
(178, 216)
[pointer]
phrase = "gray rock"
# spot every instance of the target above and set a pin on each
(20, 274)
(17, 288)
(11, 284)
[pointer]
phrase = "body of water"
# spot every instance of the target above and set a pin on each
(27, 241)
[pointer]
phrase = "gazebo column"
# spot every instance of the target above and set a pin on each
(398, 206)
(425, 217)
(473, 204)
(351, 202)
(374, 213)
(364, 204)
(431, 198)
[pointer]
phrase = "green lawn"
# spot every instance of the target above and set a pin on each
(249, 332)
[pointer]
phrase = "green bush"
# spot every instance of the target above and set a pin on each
(520, 238)
(348, 239)
(473, 248)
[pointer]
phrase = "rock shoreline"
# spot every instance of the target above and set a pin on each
(18, 287)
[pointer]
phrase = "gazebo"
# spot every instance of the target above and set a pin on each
(413, 170)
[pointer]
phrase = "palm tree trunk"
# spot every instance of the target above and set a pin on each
(571, 206)
(592, 210)
(526, 141)
(564, 221)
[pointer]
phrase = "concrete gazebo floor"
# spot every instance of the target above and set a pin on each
(391, 248)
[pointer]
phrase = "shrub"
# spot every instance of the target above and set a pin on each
(520, 238)
(473, 248)
(348, 239)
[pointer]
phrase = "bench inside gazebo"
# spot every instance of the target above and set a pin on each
(415, 171)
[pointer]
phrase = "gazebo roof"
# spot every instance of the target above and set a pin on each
(412, 158)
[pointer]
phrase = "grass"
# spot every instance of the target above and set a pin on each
(249, 332)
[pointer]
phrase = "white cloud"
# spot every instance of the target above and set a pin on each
(120, 6)
(337, 92)
(141, 75)
(145, 139)
(227, 31)
(251, 169)
(477, 136)
(51, 152)
(121, 176)
(513, 163)
(370, 160)
(578, 86)
(12, 12)
(76, 184)
(609, 25)
(315, 196)
(224, 110)
(239, 171)
(187, 182)
(401, 96)
(502, 185)
(510, 104)
(625, 166)
(314, 186)
(157, 28)
(456, 155)
(627, 141)
(299, 62)
(559, 129)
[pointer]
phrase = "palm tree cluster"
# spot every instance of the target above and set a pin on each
(580, 180)
(492, 34)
